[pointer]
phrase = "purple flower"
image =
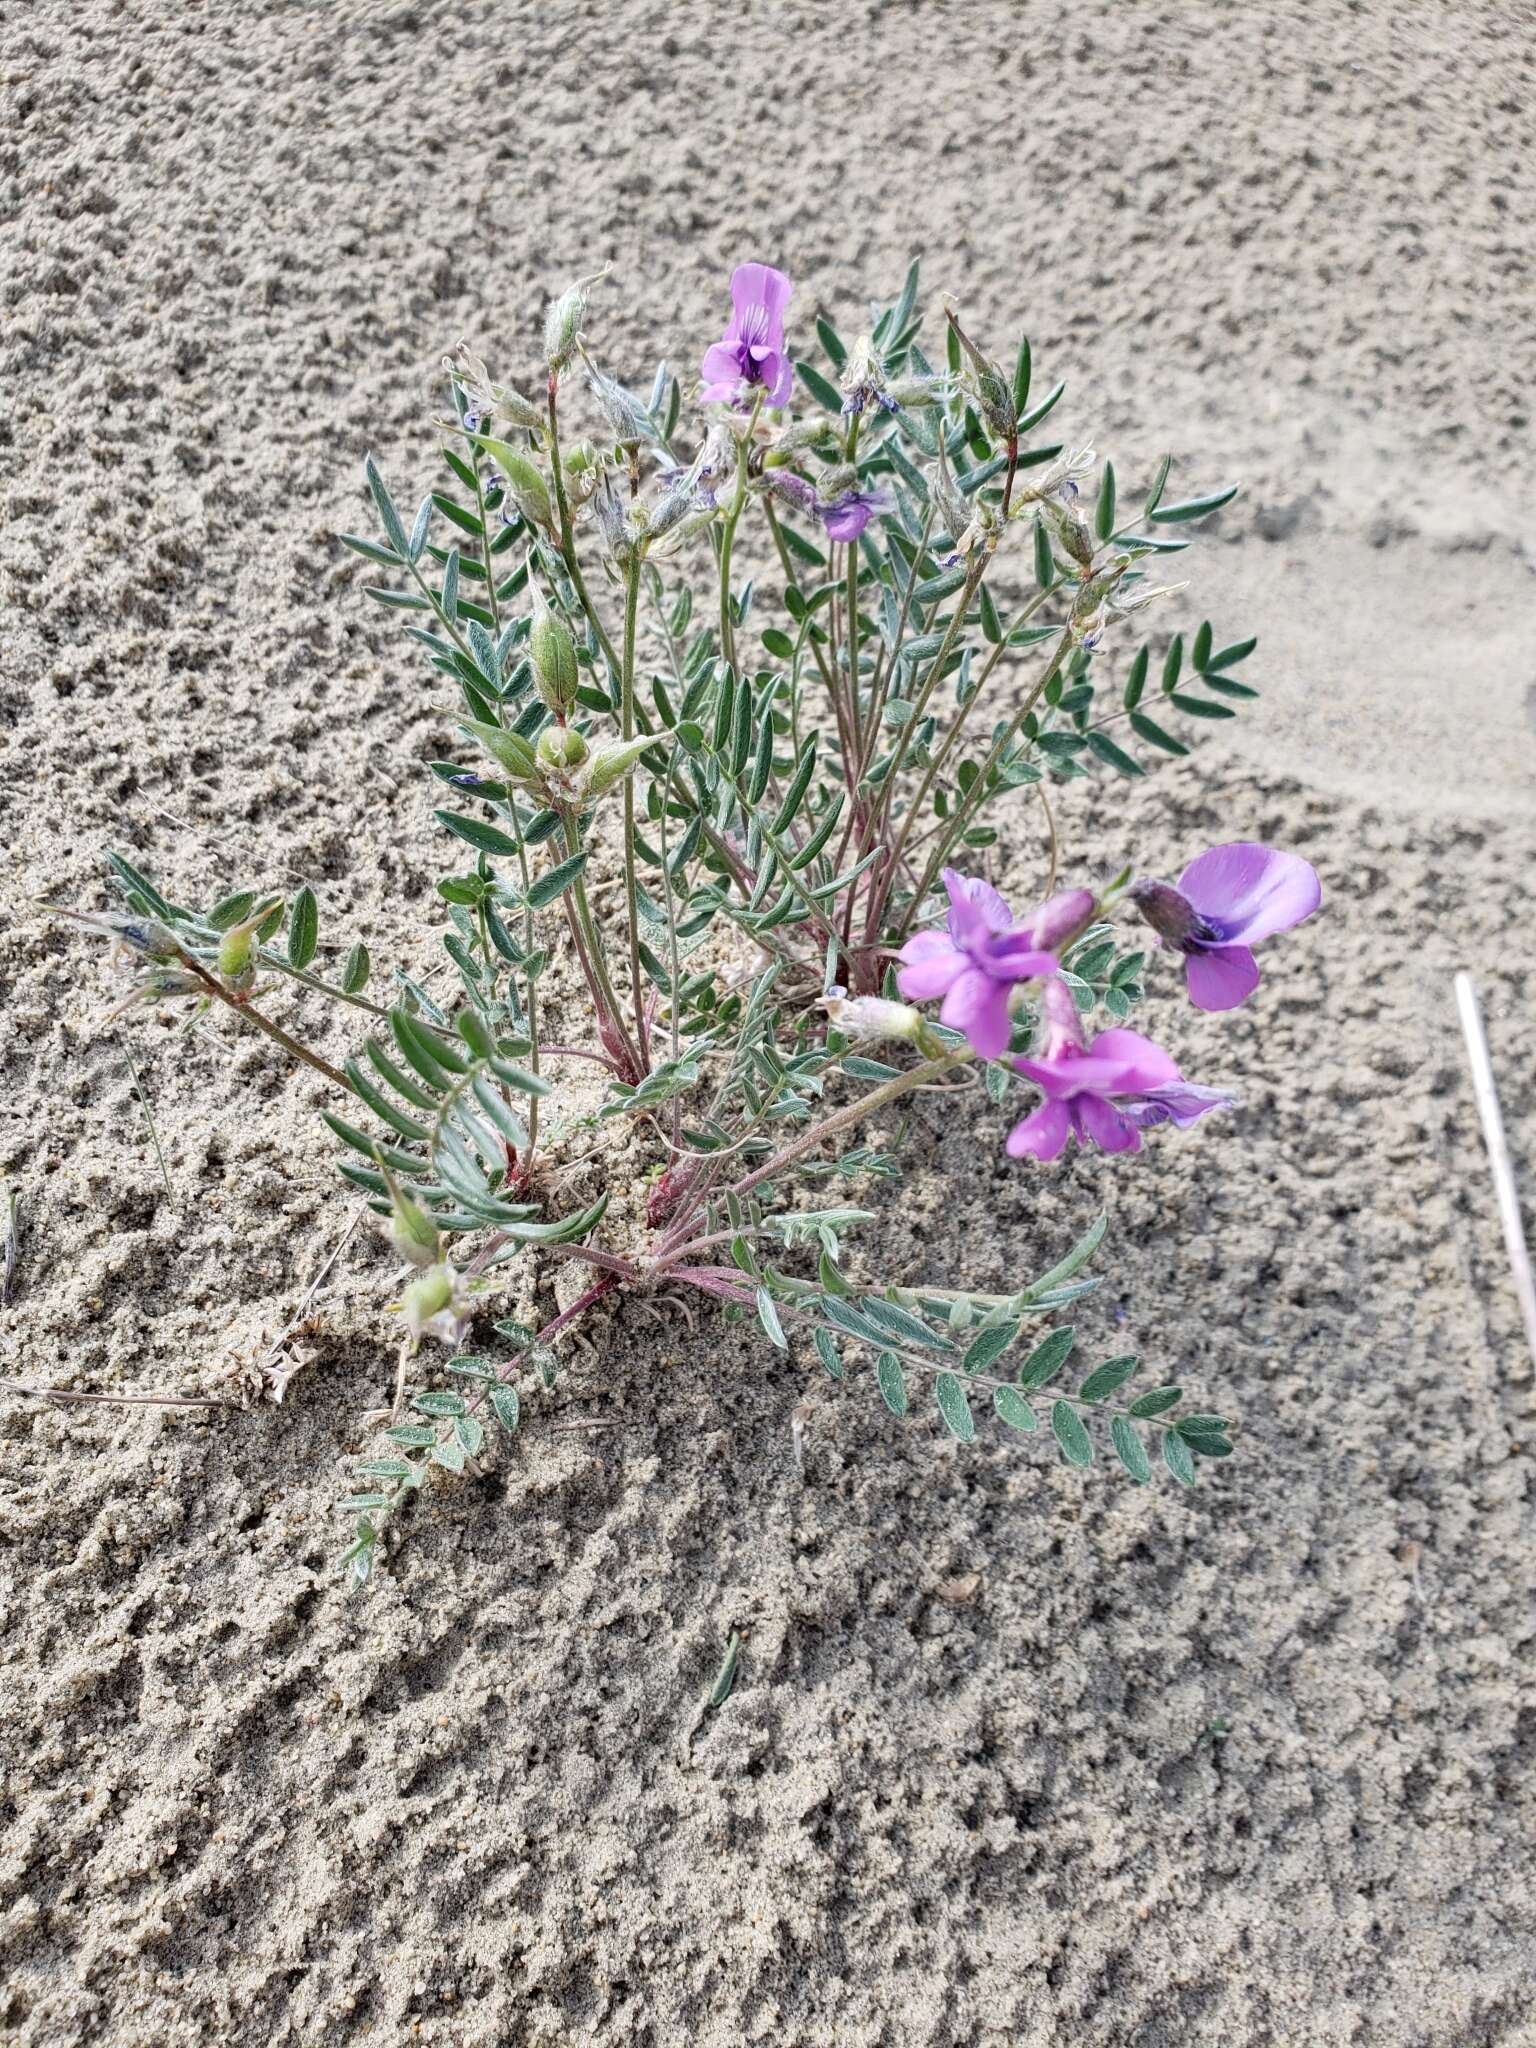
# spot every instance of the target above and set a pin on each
(794, 490)
(1226, 899)
(846, 516)
(1104, 1094)
(751, 350)
(975, 964)
(1176, 1102)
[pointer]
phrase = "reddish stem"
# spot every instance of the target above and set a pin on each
(577, 1308)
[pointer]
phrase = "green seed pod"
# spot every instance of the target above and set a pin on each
(527, 486)
(995, 402)
(1071, 530)
(561, 746)
(562, 323)
(427, 1297)
(611, 761)
(412, 1231)
(235, 950)
(509, 748)
(994, 391)
(525, 480)
(553, 654)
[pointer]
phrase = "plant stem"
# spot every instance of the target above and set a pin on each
(887, 871)
(728, 536)
(792, 582)
(627, 718)
(114, 1400)
(568, 534)
(853, 614)
(278, 965)
(485, 546)
(973, 797)
(149, 1118)
(886, 667)
(605, 1285)
(273, 1031)
(841, 1120)
(532, 984)
(607, 997)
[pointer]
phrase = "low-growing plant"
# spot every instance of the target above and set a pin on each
(796, 765)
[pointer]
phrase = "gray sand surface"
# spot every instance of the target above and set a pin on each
(1249, 1766)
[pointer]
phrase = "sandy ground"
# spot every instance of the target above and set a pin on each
(1250, 1766)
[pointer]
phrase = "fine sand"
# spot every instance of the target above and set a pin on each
(1015, 1754)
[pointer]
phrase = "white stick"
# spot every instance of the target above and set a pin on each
(1498, 1154)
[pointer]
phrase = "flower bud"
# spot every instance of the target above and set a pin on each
(484, 400)
(914, 391)
(863, 380)
(1060, 918)
(583, 470)
(154, 984)
(237, 948)
(994, 401)
(801, 434)
(953, 508)
(608, 511)
(138, 934)
(560, 747)
(794, 490)
(678, 536)
(684, 490)
(553, 654)
(1169, 912)
(610, 762)
(1060, 1030)
(836, 478)
(871, 1017)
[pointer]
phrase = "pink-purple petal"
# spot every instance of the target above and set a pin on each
(1102, 1122)
(1251, 891)
(1142, 1064)
(1042, 1133)
(780, 385)
(1014, 958)
(722, 364)
(930, 966)
(1177, 1102)
(760, 285)
(1221, 978)
(975, 907)
(846, 522)
(978, 1006)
